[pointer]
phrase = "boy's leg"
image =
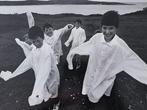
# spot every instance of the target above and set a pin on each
(55, 103)
(69, 61)
(78, 61)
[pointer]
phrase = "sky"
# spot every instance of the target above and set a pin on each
(93, 0)
(121, 0)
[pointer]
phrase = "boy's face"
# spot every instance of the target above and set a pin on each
(28, 41)
(49, 31)
(37, 42)
(77, 24)
(109, 32)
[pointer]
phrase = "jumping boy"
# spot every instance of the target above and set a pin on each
(77, 37)
(53, 38)
(42, 60)
(108, 56)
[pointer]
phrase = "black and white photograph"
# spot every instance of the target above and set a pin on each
(73, 54)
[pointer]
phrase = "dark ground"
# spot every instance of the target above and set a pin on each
(127, 93)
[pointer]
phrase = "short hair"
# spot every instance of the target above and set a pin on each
(79, 21)
(47, 25)
(35, 32)
(110, 18)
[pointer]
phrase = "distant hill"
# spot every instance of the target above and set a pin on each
(68, 15)
(141, 12)
(80, 2)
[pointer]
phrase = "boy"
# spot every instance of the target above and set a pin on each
(41, 59)
(77, 37)
(53, 38)
(108, 56)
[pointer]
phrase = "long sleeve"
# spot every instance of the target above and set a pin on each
(23, 67)
(70, 38)
(26, 48)
(63, 30)
(31, 21)
(134, 65)
(41, 78)
(83, 49)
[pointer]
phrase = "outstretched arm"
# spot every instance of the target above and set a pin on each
(134, 65)
(83, 49)
(69, 39)
(23, 67)
(63, 30)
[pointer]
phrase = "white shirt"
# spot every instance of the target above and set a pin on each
(43, 62)
(106, 60)
(57, 34)
(77, 37)
(55, 41)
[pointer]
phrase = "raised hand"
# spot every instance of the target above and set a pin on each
(70, 26)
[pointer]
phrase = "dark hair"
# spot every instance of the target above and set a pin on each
(79, 21)
(47, 25)
(35, 32)
(110, 18)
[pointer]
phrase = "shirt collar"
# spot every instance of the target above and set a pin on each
(46, 36)
(111, 43)
(77, 28)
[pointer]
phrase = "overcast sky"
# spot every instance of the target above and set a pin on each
(93, 0)
(121, 0)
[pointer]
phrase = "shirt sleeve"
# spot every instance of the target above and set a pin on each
(83, 49)
(61, 32)
(70, 37)
(24, 66)
(134, 65)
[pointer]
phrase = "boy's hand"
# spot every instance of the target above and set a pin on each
(18, 41)
(70, 26)
(6, 75)
(66, 44)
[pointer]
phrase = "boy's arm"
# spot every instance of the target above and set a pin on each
(23, 67)
(31, 21)
(134, 65)
(64, 30)
(26, 47)
(83, 49)
(69, 39)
